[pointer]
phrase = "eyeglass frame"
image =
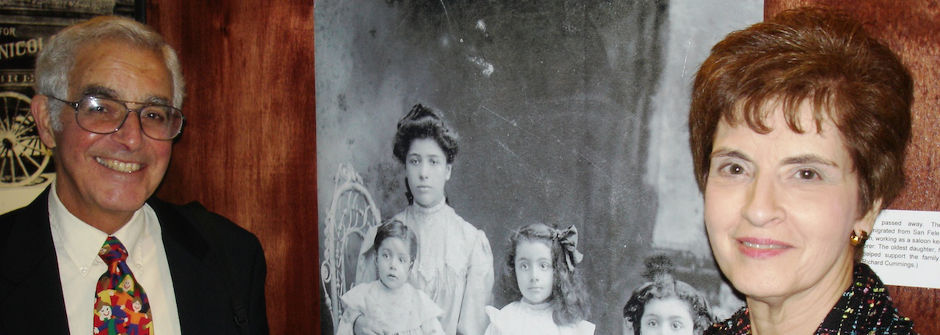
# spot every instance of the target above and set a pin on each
(128, 111)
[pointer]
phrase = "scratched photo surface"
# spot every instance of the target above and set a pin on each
(569, 112)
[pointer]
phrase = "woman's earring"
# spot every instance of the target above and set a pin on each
(858, 239)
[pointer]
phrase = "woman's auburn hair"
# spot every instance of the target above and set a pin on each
(820, 57)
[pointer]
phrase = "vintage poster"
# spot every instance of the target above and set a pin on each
(569, 113)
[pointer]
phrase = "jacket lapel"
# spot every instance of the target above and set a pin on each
(31, 298)
(195, 284)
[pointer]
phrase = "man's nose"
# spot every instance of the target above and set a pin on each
(131, 133)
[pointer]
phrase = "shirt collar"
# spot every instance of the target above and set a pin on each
(82, 241)
(421, 210)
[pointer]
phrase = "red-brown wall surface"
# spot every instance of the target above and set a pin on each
(909, 28)
(248, 148)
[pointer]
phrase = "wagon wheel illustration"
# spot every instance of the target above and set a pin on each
(23, 157)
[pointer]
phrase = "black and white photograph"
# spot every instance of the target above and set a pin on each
(453, 136)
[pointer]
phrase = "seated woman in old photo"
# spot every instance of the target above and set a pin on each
(665, 305)
(454, 265)
(798, 127)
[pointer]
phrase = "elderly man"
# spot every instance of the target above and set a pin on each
(96, 253)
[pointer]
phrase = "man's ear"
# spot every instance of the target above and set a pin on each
(867, 222)
(39, 107)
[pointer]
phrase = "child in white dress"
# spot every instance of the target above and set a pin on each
(541, 265)
(391, 303)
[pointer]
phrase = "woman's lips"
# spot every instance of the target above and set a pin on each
(761, 247)
(422, 189)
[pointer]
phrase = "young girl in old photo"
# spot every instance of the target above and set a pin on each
(542, 268)
(391, 303)
(665, 305)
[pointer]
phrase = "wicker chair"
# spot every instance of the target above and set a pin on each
(352, 213)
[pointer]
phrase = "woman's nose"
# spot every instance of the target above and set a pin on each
(423, 171)
(762, 205)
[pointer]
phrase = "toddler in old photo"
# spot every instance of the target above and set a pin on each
(391, 303)
(665, 305)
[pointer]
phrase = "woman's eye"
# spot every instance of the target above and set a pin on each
(734, 169)
(677, 325)
(652, 323)
(807, 174)
(435, 162)
(545, 266)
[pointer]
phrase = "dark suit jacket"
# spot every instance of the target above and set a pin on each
(218, 272)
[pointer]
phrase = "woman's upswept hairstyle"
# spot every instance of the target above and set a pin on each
(424, 122)
(663, 285)
(825, 59)
(569, 298)
(57, 56)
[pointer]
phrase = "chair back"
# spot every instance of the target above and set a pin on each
(352, 213)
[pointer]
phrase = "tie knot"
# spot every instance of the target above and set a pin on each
(112, 250)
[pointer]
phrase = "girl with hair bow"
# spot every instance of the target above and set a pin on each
(543, 277)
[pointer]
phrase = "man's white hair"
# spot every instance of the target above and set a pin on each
(57, 57)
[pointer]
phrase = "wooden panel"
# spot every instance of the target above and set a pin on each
(248, 149)
(909, 30)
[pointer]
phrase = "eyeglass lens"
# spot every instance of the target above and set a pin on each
(105, 116)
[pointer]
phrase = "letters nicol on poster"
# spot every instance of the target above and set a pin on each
(20, 48)
(904, 248)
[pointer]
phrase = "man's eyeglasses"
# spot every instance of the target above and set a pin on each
(105, 116)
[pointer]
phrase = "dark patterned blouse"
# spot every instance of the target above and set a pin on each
(864, 309)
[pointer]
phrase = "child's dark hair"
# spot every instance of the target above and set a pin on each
(663, 285)
(569, 297)
(395, 228)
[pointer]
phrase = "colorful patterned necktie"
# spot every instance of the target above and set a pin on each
(121, 306)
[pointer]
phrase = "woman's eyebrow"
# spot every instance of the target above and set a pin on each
(809, 159)
(730, 153)
(427, 155)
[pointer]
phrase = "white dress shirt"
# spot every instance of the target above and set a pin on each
(76, 247)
